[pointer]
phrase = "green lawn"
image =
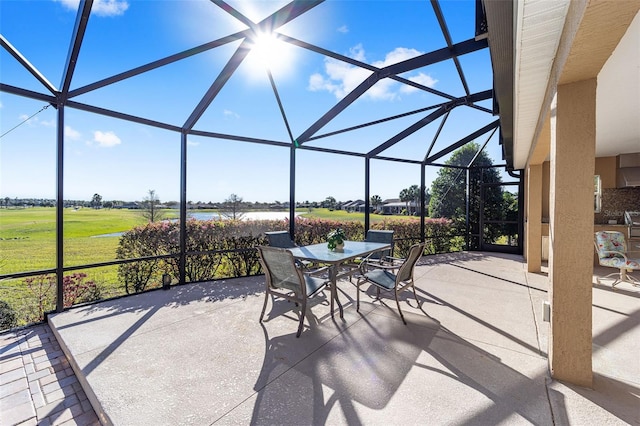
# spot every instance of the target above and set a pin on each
(28, 243)
(28, 236)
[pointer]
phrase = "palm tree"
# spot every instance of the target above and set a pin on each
(376, 201)
(414, 193)
(330, 202)
(405, 197)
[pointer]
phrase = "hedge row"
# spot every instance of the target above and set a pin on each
(222, 249)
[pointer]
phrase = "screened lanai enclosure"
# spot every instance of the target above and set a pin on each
(194, 101)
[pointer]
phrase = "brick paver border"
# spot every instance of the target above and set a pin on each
(37, 384)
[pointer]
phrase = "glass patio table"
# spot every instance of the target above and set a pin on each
(320, 253)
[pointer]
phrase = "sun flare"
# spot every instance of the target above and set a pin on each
(267, 52)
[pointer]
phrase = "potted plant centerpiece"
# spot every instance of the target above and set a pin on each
(335, 240)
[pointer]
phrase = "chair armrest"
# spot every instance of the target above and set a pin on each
(615, 253)
(317, 271)
(392, 259)
(376, 265)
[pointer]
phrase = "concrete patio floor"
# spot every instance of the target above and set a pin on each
(475, 354)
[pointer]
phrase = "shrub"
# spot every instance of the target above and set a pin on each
(77, 290)
(152, 239)
(8, 317)
(43, 289)
(226, 248)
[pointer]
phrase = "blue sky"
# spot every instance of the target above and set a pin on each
(121, 160)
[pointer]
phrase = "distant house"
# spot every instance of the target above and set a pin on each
(396, 206)
(130, 205)
(353, 206)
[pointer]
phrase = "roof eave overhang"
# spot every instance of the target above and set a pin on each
(500, 23)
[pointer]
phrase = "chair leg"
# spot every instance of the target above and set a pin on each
(399, 310)
(264, 306)
(358, 296)
(303, 307)
(413, 287)
(619, 277)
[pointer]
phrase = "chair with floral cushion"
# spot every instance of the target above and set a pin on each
(611, 248)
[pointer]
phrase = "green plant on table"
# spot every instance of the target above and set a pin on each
(335, 237)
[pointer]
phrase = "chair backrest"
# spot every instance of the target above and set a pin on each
(279, 239)
(405, 272)
(380, 236)
(280, 269)
(609, 244)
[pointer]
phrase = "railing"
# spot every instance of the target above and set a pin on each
(107, 280)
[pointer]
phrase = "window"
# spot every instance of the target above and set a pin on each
(597, 187)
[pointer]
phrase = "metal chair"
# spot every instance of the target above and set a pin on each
(375, 258)
(285, 279)
(382, 278)
(280, 239)
(380, 236)
(611, 248)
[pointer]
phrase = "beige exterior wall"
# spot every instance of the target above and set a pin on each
(546, 181)
(573, 144)
(591, 31)
(606, 167)
(533, 246)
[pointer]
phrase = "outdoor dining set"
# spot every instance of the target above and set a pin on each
(297, 273)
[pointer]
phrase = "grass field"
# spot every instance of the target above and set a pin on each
(28, 243)
(28, 236)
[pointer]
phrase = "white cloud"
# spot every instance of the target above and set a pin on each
(357, 53)
(109, 7)
(340, 78)
(100, 7)
(33, 120)
(106, 139)
(71, 133)
(230, 114)
(343, 29)
(398, 54)
(25, 118)
(421, 78)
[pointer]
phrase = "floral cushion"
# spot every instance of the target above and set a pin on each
(611, 243)
(619, 262)
(611, 251)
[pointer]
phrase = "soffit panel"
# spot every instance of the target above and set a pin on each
(540, 28)
(603, 25)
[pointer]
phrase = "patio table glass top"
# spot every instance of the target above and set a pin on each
(352, 249)
(320, 253)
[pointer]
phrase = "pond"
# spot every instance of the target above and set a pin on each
(245, 216)
(216, 216)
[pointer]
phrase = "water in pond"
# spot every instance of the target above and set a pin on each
(213, 215)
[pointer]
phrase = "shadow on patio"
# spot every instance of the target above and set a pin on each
(196, 354)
